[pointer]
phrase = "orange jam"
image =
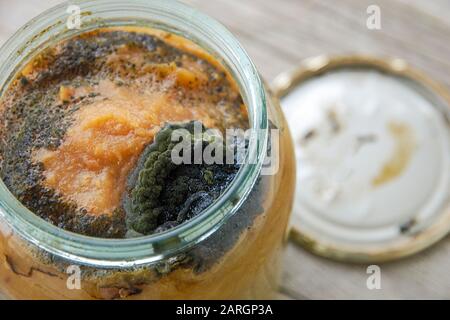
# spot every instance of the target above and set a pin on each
(90, 167)
(113, 90)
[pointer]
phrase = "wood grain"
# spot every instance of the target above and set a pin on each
(279, 34)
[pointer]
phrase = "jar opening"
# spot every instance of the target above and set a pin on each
(168, 16)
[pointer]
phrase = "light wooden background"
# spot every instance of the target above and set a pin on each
(278, 34)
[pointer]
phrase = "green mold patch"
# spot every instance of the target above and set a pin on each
(162, 194)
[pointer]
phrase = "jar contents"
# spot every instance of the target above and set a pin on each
(79, 116)
(87, 144)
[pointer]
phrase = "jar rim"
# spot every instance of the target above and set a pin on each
(174, 17)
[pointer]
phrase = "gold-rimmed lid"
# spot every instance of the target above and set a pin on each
(372, 143)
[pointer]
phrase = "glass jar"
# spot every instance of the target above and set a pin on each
(230, 251)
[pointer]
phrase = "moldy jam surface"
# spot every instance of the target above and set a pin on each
(78, 117)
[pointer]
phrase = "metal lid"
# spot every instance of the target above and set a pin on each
(372, 143)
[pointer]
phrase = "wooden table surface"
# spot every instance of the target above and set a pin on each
(279, 34)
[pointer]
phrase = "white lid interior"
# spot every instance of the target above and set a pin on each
(373, 158)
